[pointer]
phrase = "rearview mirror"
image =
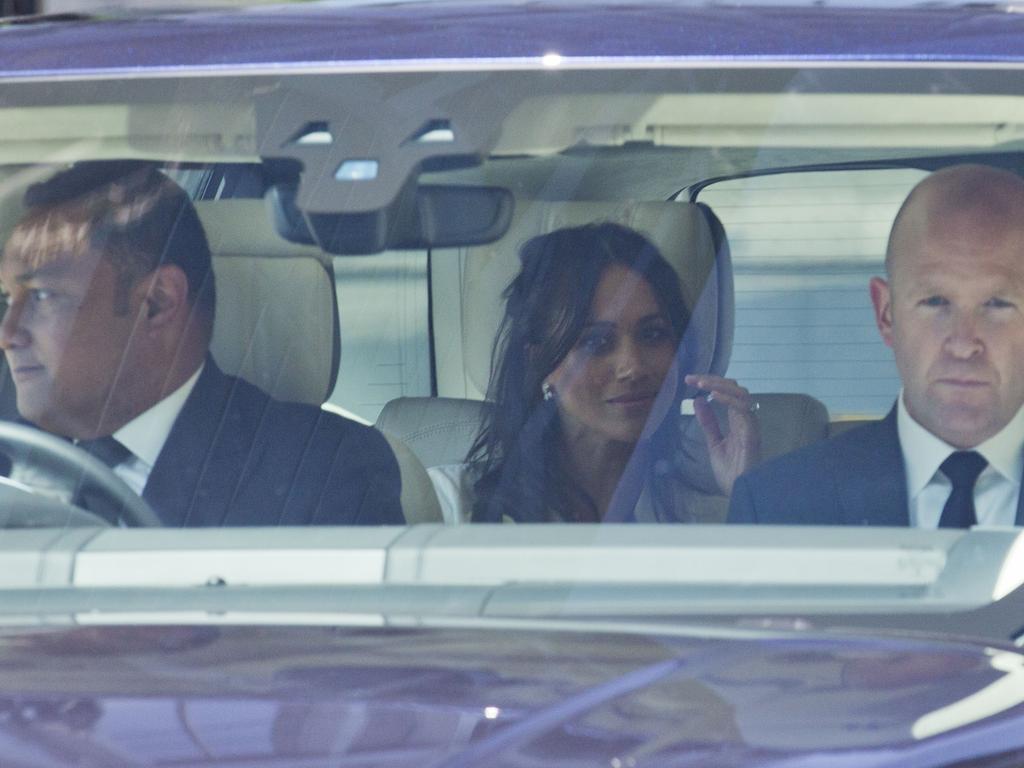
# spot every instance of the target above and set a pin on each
(428, 216)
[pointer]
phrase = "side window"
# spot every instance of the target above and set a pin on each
(382, 311)
(804, 246)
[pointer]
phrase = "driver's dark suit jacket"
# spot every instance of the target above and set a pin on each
(236, 456)
(856, 478)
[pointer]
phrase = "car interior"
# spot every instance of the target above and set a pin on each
(440, 430)
(296, 356)
(773, 215)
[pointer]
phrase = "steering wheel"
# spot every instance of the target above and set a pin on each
(58, 458)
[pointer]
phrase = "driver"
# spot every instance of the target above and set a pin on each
(107, 333)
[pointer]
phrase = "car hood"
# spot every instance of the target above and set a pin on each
(499, 694)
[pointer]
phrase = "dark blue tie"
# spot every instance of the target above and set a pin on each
(110, 452)
(962, 468)
(106, 449)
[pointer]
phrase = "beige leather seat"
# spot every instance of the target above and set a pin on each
(788, 421)
(259, 335)
(685, 233)
(440, 431)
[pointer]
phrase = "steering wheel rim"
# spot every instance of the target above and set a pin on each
(29, 445)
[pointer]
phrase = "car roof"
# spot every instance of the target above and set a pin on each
(483, 32)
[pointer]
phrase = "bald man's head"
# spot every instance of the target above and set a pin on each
(953, 307)
(958, 200)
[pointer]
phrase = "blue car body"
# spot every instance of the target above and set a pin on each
(725, 690)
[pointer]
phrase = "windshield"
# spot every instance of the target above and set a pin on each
(655, 310)
(545, 383)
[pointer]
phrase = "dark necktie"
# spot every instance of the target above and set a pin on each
(106, 449)
(110, 452)
(962, 468)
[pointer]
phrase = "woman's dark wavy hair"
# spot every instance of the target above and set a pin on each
(515, 457)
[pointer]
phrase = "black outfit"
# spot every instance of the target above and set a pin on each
(236, 456)
(856, 478)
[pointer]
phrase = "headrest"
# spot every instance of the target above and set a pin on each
(439, 430)
(684, 235)
(276, 323)
(276, 318)
(788, 421)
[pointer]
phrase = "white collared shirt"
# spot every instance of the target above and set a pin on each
(998, 486)
(146, 434)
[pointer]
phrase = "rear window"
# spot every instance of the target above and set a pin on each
(804, 246)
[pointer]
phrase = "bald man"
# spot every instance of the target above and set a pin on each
(950, 452)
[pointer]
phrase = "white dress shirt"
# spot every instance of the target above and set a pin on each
(998, 486)
(146, 434)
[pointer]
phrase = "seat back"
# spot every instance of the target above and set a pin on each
(262, 280)
(439, 431)
(838, 427)
(418, 499)
(788, 421)
(687, 234)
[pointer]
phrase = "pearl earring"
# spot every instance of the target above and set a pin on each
(547, 391)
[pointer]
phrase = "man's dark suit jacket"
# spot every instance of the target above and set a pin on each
(856, 478)
(236, 456)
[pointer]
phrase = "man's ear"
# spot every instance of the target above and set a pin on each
(165, 296)
(881, 298)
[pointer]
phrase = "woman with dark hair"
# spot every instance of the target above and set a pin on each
(586, 387)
